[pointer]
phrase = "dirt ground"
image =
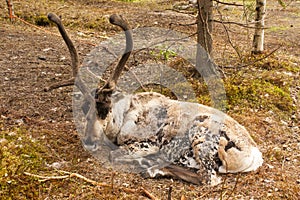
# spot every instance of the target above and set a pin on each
(42, 122)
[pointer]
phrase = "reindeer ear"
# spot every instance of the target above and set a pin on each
(85, 107)
(86, 104)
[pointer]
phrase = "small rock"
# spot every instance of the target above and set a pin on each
(56, 165)
(81, 34)
(268, 120)
(125, 184)
(268, 181)
(3, 141)
(62, 58)
(19, 121)
(47, 49)
(284, 122)
(41, 57)
(3, 117)
(192, 1)
(270, 166)
(12, 133)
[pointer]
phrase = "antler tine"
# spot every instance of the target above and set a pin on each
(74, 56)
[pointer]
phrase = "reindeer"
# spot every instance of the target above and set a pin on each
(158, 136)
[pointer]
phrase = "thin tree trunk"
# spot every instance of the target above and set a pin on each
(204, 62)
(10, 9)
(204, 24)
(258, 39)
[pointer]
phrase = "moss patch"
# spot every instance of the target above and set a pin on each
(265, 85)
(19, 153)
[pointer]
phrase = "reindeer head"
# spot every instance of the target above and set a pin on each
(97, 106)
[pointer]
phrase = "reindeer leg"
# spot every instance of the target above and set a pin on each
(182, 173)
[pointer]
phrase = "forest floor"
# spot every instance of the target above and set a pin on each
(37, 131)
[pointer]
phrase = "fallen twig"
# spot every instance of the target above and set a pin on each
(46, 178)
(140, 190)
(235, 186)
(148, 194)
(170, 193)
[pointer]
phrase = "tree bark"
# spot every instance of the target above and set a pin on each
(258, 39)
(204, 24)
(204, 63)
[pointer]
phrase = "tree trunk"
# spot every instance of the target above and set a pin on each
(258, 39)
(204, 24)
(10, 9)
(204, 63)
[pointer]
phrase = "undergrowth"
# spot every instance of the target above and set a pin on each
(264, 85)
(19, 153)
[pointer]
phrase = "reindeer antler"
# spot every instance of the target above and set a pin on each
(103, 95)
(119, 21)
(101, 104)
(74, 56)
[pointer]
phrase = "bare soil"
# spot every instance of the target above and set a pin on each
(31, 59)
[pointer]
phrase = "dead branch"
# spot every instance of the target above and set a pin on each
(191, 13)
(203, 195)
(148, 194)
(266, 56)
(228, 37)
(68, 82)
(137, 79)
(234, 23)
(180, 24)
(228, 4)
(163, 41)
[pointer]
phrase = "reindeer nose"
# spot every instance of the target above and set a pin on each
(89, 144)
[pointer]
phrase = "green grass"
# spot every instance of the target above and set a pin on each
(277, 28)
